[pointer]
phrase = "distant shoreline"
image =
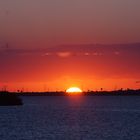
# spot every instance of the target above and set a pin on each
(128, 92)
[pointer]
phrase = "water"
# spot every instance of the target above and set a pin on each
(72, 118)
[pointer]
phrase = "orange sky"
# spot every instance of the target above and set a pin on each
(57, 68)
(52, 45)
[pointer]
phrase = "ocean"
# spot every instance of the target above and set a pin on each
(72, 118)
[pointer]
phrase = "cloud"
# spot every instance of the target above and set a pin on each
(47, 54)
(64, 54)
(117, 53)
(79, 50)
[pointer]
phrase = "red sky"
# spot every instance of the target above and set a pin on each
(51, 44)
(87, 66)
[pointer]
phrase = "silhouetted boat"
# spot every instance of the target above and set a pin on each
(9, 99)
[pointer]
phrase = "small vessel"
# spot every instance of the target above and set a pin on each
(9, 99)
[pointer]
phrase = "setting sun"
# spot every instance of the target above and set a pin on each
(74, 90)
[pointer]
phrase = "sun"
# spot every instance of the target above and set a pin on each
(74, 90)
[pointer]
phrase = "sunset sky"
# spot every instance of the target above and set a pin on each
(56, 44)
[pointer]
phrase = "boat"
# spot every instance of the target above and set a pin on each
(9, 99)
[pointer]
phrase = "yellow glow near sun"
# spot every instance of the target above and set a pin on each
(74, 90)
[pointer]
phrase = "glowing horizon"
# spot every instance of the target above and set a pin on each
(90, 66)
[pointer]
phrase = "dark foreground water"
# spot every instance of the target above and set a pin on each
(72, 118)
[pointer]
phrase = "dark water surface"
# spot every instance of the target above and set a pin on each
(72, 118)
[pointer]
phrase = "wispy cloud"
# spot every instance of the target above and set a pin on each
(64, 54)
(78, 50)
